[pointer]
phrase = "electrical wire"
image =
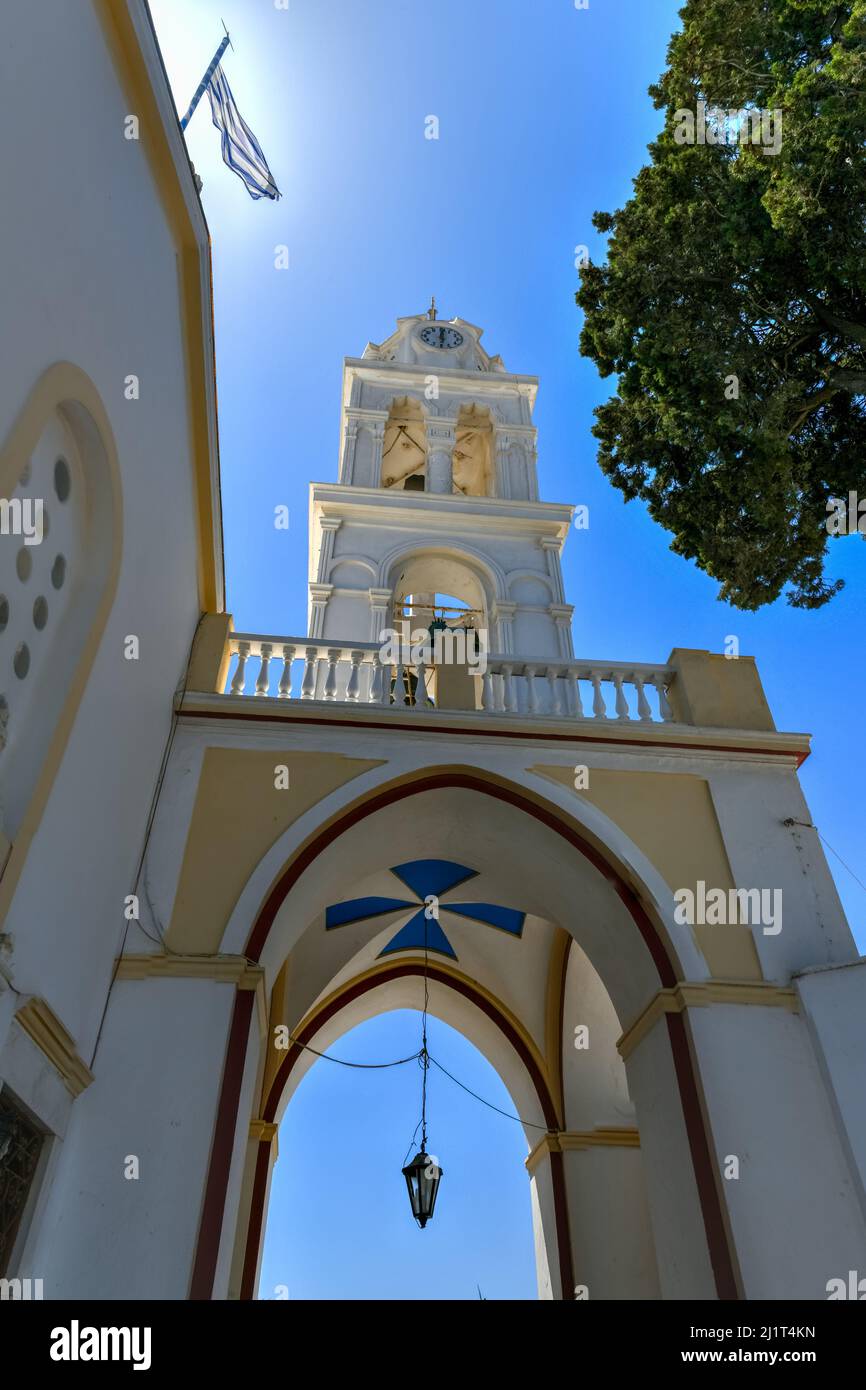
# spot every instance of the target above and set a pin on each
(361, 1066)
(411, 1144)
(808, 825)
(529, 1123)
(151, 816)
(839, 857)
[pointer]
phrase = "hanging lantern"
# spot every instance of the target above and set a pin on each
(422, 1176)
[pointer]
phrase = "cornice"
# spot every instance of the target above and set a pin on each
(531, 732)
(701, 994)
(342, 499)
(565, 1141)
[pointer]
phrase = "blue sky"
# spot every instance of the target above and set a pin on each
(544, 118)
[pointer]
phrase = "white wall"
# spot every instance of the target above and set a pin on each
(92, 278)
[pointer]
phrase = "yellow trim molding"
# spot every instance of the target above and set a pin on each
(225, 970)
(602, 1137)
(143, 91)
(42, 1026)
(263, 1132)
(699, 995)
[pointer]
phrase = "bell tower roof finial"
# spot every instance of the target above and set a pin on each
(431, 312)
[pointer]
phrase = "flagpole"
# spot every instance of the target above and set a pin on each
(202, 86)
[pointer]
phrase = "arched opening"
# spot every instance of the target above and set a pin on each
(473, 471)
(440, 585)
(401, 983)
(571, 880)
(404, 447)
(339, 1223)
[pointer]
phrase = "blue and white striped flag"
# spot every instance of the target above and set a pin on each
(241, 150)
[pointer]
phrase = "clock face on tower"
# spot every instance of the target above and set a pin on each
(438, 336)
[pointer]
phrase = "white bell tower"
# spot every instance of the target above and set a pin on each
(438, 496)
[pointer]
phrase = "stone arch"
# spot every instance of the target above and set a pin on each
(459, 570)
(64, 394)
(354, 1003)
(488, 571)
(641, 941)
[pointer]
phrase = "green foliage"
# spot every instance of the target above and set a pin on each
(729, 261)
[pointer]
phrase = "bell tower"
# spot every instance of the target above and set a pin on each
(437, 501)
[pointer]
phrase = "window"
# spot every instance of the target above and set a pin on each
(20, 1147)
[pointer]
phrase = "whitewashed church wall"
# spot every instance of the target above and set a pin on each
(106, 1234)
(794, 1208)
(611, 1234)
(751, 804)
(832, 1003)
(96, 283)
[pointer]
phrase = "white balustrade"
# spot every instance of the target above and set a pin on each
(354, 673)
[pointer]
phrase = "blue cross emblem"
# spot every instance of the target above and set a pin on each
(426, 878)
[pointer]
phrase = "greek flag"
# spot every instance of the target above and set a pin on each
(241, 150)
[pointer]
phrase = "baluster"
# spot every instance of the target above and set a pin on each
(376, 680)
(422, 700)
(622, 710)
(354, 685)
(400, 693)
(574, 686)
(263, 679)
(666, 711)
(643, 704)
(497, 685)
(509, 698)
(488, 699)
(285, 687)
(308, 688)
(599, 708)
(553, 679)
(240, 675)
(334, 654)
(531, 692)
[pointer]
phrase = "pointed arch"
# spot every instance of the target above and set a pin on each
(338, 1002)
(650, 929)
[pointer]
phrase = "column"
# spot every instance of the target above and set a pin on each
(441, 438)
(552, 547)
(377, 432)
(350, 439)
(319, 595)
(562, 614)
(380, 602)
(530, 454)
(329, 526)
(610, 1236)
(504, 618)
(502, 444)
